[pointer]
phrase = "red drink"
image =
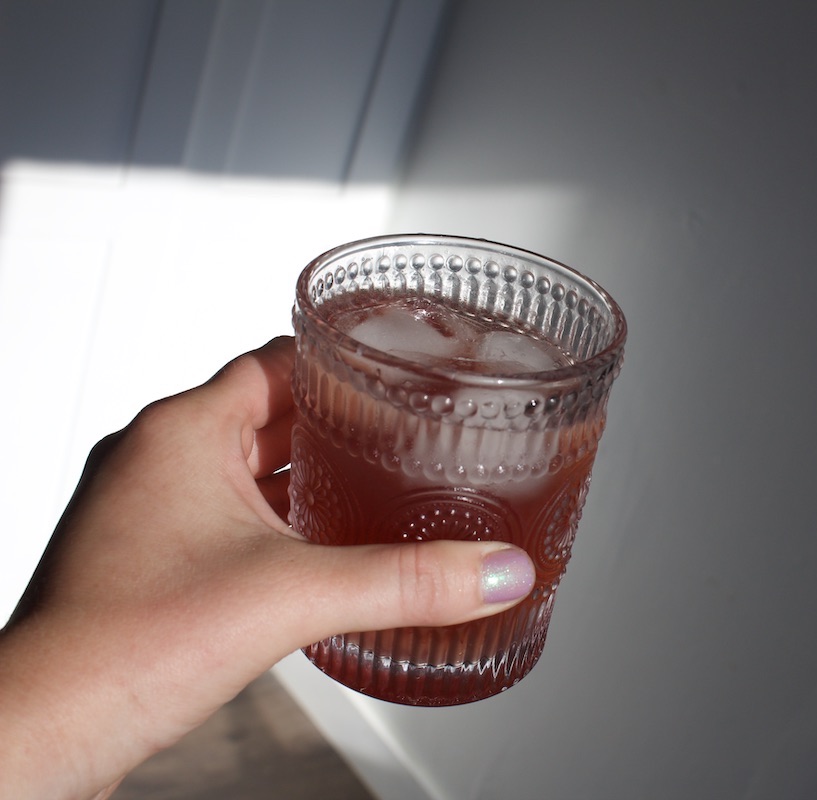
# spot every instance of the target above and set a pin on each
(421, 415)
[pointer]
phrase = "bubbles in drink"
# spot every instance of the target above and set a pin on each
(432, 334)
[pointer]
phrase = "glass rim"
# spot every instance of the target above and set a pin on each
(607, 356)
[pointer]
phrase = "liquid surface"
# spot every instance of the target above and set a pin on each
(433, 334)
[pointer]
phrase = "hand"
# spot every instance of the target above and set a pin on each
(172, 581)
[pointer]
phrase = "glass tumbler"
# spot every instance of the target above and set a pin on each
(392, 448)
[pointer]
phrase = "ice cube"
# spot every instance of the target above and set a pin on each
(511, 353)
(407, 332)
(430, 333)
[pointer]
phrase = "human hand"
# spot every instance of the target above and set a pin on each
(172, 581)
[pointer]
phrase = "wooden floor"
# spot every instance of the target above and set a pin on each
(261, 745)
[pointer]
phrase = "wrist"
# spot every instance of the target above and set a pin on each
(51, 711)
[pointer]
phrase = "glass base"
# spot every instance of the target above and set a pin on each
(438, 669)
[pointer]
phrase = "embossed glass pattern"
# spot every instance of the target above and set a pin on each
(388, 450)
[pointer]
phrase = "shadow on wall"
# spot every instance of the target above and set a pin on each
(313, 89)
(71, 76)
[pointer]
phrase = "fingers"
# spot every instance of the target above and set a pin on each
(272, 446)
(256, 386)
(338, 589)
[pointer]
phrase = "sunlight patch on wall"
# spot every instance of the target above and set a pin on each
(119, 286)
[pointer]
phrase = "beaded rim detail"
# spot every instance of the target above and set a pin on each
(514, 280)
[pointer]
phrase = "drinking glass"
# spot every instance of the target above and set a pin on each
(389, 448)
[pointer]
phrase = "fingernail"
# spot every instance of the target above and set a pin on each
(507, 574)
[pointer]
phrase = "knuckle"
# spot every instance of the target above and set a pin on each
(239, 369)
(155, 420)
(424, 585)
(104, 446)
(159, 429)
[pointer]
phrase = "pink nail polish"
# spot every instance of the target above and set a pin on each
(506, 575)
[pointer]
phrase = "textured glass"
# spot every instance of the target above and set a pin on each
(387, 450)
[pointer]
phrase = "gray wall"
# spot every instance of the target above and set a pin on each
(667, 149)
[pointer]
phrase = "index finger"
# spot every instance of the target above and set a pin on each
(256, 386)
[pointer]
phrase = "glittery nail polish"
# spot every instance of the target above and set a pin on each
(507, 574)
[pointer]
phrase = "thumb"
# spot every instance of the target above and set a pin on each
(374, 587)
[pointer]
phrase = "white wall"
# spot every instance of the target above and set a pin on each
(667, 149)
